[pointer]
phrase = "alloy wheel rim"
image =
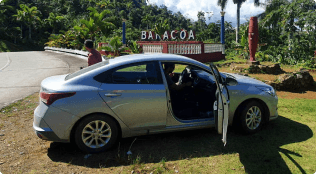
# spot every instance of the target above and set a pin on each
(96, 134)
(253, 117)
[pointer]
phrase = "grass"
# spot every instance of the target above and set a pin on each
(285, 145)
(235, 60)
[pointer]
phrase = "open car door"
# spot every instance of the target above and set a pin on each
(221, 105)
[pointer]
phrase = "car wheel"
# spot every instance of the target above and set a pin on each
(251, 118)
(96, 133)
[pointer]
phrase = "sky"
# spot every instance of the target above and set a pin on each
(190, 8)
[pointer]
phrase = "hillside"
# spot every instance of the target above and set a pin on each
(6, 46)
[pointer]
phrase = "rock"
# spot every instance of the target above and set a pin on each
(237, 68)
(1, 135)
(299, 76)
(268, 69)
(296, 80)
(242, 74)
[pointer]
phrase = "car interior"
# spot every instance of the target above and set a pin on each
(195, 102)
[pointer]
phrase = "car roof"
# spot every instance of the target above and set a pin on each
(148, 57)
(163, 57)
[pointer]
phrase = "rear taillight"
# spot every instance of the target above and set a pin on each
(50, 98)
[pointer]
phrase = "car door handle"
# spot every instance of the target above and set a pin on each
(112, 94)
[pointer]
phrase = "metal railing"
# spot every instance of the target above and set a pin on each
(212, 48)
(71, 51)
(152, 48)
(184, 48)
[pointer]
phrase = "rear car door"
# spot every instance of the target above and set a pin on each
(221, 106)
(136, 93)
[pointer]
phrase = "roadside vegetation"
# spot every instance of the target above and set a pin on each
(6, 46)
(286, 28)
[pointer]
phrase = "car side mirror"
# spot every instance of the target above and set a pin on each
(230, 81)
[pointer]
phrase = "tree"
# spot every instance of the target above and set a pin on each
(201, 20)
(222, 4)
(105, 27)
(53, 20)
(90, 26)
(6, 23)
(129, 6)
(28, 15)
(146, 19)
(239, 3)
(161, 27)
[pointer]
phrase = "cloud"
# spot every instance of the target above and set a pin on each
(190, 9)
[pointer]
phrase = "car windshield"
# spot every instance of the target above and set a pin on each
(217, 73)
(87, 69)
(224, 75)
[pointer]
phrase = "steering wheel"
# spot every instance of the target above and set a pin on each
(183, 76)
(196, 81)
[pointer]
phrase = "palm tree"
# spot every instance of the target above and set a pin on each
(161, 27)
(257, 3)
(239, 3)
(53, 19)
(90, 27)
(28, 15)
(222, 4)
(146, 19)
(129, 6)
(201, 20)
(99, 19)
(20, 17)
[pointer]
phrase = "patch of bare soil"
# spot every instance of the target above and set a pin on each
(309, 93)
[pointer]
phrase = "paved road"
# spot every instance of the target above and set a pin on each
(21, 73)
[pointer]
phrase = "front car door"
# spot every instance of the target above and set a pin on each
(136, 93)
(221, 106)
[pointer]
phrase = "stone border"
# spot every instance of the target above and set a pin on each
(252, 69)
(293, 81)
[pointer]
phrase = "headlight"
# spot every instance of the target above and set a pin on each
(268, 90)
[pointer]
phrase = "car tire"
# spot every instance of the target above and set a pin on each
(251, 117)
(96, 133)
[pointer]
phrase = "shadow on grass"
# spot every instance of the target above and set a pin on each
(259, 153)
(301, 90)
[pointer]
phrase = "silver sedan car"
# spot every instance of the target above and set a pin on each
(130, 96)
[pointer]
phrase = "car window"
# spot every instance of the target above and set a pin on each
(136, 68)
(142, 73)
(87, 69)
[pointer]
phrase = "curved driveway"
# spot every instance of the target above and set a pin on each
(21, 73)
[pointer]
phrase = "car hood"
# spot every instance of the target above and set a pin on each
(244, 80)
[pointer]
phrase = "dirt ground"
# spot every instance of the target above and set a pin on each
(21, 151)
(309, 93)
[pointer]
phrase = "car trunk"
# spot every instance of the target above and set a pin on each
(53, 84)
